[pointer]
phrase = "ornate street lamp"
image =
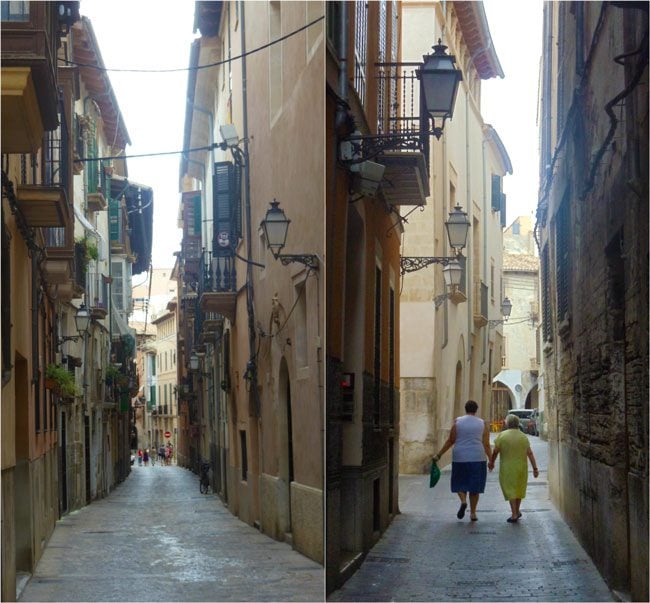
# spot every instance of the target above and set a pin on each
(457, 227)
(506, 309)
(275, 226)
(194, 362)
(439, 80)
(82, 323)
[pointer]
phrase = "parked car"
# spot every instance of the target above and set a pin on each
(528, 419)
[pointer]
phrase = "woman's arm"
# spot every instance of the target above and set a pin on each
(448, 444)
(486, 441)
(533, 462)
(495, 454)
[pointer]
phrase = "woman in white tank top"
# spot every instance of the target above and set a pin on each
(470, 438)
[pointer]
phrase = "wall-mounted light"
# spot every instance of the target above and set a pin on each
(82, 323)
(275, 226)
(506, 309)
(439, 80)
(457, 227)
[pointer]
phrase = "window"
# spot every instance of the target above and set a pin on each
(6, 302)
(334, 10)
(275, 58)
(360, 48)
(516, 228)
(546, 296)
(117, 272)
(492, 280)
(391, 357)
(15, 11)
(244, 456)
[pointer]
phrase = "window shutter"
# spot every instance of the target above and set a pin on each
(226, 185)
(496, 192)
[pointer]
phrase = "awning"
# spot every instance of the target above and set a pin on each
(101, 247)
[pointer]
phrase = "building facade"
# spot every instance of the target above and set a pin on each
(592, 230)
(363, 237)
(449, 353)
(38, 252)
(251, 325)
(65, 352)
(516, 384)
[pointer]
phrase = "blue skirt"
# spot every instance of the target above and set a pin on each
(469, 477)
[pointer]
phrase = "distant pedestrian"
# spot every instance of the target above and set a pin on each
(470, 438)
(514, 447)
(161, 454)
(140, 456)
(168, 454)
(145, 457)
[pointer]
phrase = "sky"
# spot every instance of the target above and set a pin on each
(150, 34)
(510, 104)
(157, 34)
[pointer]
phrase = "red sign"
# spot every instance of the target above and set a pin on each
(168, 434)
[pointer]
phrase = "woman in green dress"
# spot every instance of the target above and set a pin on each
(513, 470)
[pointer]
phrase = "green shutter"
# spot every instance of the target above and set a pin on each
(226, 185)
(496, 192)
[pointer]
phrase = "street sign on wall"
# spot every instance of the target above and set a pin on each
(168, 434)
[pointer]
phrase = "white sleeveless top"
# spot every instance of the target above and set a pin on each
(468, 447)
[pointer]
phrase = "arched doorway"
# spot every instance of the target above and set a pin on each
(285, 464)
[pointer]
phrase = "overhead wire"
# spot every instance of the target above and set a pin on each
(206, 66)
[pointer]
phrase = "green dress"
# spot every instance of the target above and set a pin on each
(513, 467)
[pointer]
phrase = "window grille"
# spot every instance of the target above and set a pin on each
(377, 348)
(546, 294)
(381, 58)
(391, 357)
(360, 48)
(563, 258)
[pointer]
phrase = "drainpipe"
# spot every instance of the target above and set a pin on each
(485, 247)
(469, 214)
(252, 362)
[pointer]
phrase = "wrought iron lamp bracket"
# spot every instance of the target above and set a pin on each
(439, 299)
(411, 264)
(311, 261)
(363, 148)
(492, 324)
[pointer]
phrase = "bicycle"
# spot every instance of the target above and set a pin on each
(204, 478)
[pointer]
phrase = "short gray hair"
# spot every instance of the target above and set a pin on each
(512, 421)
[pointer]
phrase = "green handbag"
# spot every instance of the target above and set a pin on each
(435, 474)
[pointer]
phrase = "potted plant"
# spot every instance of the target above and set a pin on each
(90, 250)
(112, 374)
(60, 380)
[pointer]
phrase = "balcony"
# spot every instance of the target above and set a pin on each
(218, 285)
(480, 304)
(97, 295)
(402, 136)
(43, 205)
(30, 38)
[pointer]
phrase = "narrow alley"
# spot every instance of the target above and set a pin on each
(156, 538)
(427, 554)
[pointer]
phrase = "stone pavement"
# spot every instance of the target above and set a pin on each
(429, 555)
(156, 538)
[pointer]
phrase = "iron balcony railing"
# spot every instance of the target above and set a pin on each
(398, 105)
(217, 274)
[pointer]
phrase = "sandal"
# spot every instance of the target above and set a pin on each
(473, 517)
(461, 511)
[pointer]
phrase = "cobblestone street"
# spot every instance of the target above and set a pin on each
(156, 538)
(427, 554)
